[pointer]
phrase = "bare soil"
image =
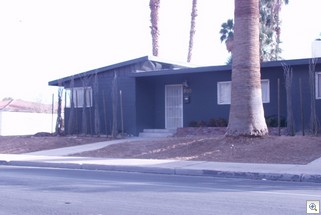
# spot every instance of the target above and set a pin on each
(271, 149)
(32, 143)
(189, 144)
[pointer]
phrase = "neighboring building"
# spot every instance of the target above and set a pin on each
(158, 94)
(18, 117)
(316, 48)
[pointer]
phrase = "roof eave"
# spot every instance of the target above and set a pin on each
(182, 71)
(60, 82)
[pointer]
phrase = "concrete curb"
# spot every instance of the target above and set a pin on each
(314, 178)
(311, 178)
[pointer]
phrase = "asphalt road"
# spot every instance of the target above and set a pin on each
(42, 191)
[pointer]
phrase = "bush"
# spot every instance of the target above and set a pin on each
(220, 122)
(192, 124)
(272, 121)
(199, 123)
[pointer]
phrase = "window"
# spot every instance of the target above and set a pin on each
(79, 96)
(318, 85)
(265, 85)
(224, 92)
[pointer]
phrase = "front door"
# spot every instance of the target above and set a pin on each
(173, 106)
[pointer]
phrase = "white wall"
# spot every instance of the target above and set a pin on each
(316, 48)
(20, 123)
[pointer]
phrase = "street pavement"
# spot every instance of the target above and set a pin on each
(38, 191)
(57, 158)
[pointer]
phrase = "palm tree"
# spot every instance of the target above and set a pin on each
(267, 37)
(227, 34)
(267, 43)
(154, 7)
(246, 111)
(270, 21)
(269, 30)
(192, 31)
(277, 29)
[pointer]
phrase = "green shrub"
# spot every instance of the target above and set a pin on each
(272, 121)
(217, 122)
(199, 123)
(192, 124)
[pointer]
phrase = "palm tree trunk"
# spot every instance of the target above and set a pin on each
(246, 112)
(154, 6)
(192, 31)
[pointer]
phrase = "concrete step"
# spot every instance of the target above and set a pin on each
(160, 131)
(142, 134)
(157, 133)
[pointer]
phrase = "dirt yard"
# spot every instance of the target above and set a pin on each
(32, 143)
(272, 149)
(205, 145)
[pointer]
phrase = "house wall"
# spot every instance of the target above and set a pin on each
(145, 105)
(203, 96)
(102, 100)
(271, 108)
(144, 98)
(22, 123)
(302, 72)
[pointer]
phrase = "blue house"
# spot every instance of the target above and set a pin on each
(156, 94)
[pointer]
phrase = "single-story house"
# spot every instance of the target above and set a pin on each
(19, 117)
(156, 94)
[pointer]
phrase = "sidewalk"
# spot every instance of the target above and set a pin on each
(56, 159)
(83, 148)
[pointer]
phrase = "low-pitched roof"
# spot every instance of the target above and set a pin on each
(268, 64)
(121, 64)
(178, 68)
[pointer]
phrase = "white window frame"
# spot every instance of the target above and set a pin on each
(265, 84)
(317, 85)
(79, 101)
(223, 101)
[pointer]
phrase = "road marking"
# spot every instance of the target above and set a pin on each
(287, 194)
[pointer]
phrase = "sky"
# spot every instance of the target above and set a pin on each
(43, 40)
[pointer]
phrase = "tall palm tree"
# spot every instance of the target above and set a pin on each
(227, 34)
(267, 34)
(270, 21)
(154, 8)
(246, 111)
(192, 31)
(269, 30)
(277, 8)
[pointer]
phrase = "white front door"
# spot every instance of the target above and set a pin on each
(173, 106)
